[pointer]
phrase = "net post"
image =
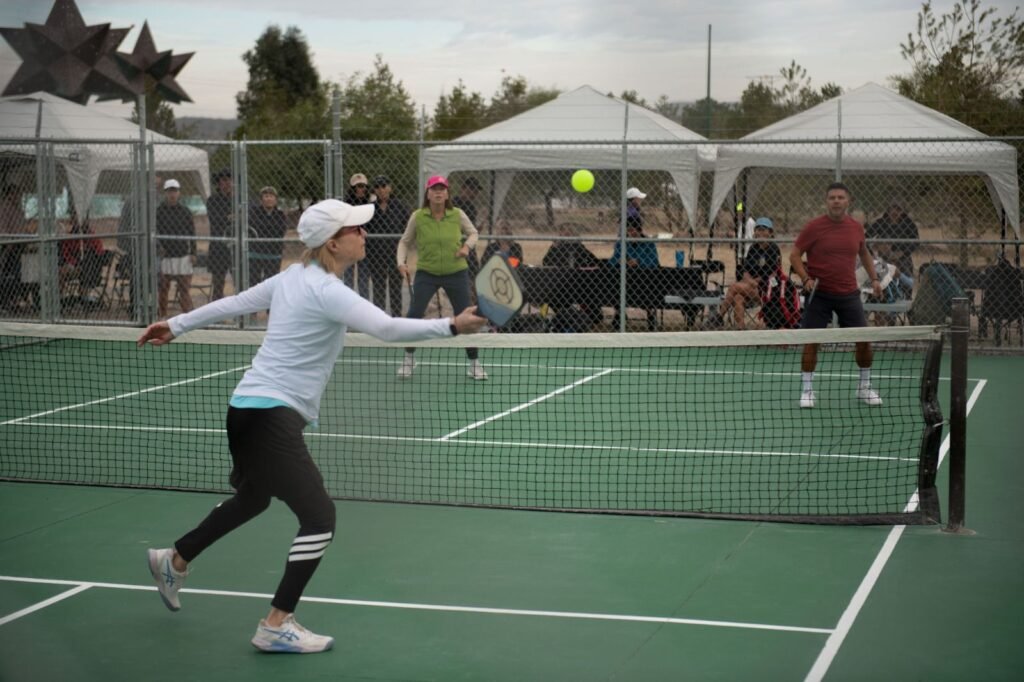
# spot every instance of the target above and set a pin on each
(959, 331)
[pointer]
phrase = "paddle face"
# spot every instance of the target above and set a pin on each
(499, 292)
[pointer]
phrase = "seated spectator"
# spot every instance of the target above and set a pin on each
(505, 245)
(895, 224)
(13, 226)
(760, 264)
(570, 253)
(638, 255)
(83, 260)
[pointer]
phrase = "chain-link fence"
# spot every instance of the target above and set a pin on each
(942, 217)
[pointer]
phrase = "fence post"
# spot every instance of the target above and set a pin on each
(623, 246)
(334, 169)
(959, 332)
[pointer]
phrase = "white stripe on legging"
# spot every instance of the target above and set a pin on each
(308, 547)
(306, 557)
(314, 538)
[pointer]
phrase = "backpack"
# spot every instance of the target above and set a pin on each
(780, 303)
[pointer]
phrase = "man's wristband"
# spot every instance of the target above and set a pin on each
(455, 330)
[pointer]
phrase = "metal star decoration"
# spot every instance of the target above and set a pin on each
(147, 70)
(67, 58)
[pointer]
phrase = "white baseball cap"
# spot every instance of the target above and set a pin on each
(323, 219)
(634, 193)
(171, 184)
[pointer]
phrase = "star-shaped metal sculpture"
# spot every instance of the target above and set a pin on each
(147, 70)
(67, 58)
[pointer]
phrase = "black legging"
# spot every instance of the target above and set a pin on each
(425, 285)
(271, 460)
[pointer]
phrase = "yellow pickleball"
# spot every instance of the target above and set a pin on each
(583, 181)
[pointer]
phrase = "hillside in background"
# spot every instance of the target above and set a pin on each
(196, 128)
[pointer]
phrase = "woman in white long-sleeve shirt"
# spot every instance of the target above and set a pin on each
(310, 311)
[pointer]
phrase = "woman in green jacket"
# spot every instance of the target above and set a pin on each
(443, 237)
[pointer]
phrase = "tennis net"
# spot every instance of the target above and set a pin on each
(705, 424)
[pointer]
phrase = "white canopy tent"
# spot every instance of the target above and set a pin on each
(582, 115)
(48, 117)
(876, 113)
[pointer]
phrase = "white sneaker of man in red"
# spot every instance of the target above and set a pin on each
(289, 638)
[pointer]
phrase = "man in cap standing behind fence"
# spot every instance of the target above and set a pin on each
(223, 221)
(386, 226)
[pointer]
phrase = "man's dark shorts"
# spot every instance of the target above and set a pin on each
(848, 308)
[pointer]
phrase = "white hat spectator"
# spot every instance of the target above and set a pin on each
(634, 193)
(172, 184)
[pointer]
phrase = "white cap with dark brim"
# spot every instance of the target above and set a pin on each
(323, 219)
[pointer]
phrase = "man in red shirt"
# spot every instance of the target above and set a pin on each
(833, 242)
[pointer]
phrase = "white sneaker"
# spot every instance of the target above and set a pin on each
(405, 370)
(289, 638)
(476, 371)
(807, 399)
(168, 581)
(869, 395)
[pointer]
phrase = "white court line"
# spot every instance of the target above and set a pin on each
(123, 395)
(494, 443)
(523, 406)
(43, 604)
(438, 607)
(845, 624)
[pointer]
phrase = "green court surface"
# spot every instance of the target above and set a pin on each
(414, 592)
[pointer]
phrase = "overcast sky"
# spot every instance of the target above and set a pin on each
(654, 47)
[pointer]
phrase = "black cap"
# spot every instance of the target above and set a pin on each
(472, 183)
(381, 181)
(222, 173)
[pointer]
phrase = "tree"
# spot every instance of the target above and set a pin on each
(633, 97)
(284, 99)
(968, 64)
(281, 73)
(514, 97)
(724, 118)
(377, 107)
(796, 93)
(458, 114)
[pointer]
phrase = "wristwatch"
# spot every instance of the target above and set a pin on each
(455, 330)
